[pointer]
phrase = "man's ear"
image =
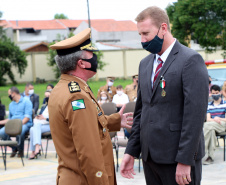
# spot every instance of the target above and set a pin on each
(164, 28)
(81, 64)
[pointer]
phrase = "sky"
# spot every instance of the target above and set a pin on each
(76, 9)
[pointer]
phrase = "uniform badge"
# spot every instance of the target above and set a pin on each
(74, 87)
(99, 174)
(78, 104)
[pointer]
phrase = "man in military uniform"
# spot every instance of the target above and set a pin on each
(109, 88)
(79, 128)
(131, 90)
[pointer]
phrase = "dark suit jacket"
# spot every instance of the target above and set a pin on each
(35, 102)
(170, 127)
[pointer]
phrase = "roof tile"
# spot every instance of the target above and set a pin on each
(101, 25)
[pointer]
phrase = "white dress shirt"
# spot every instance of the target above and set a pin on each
(163, 57)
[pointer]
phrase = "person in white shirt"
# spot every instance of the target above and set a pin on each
(120, 98)
(41, 125)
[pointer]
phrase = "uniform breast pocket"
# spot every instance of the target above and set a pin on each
(102, 127)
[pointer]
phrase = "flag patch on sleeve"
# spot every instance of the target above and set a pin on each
(78, 104)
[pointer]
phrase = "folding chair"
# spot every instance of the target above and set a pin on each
(47, 136)
(109, 108)
(13, 128)
(222, 135)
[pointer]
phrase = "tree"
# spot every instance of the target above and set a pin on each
(200, 20)
(60, 16)
(52, 54)
(10, 55)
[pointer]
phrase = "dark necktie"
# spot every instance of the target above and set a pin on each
(157, 71)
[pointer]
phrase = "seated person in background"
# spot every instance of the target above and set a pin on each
(216, 122)
(49, 87)
(224, 91)
(41, 125)
(131, 90)
(19, 108)
(103, 98)
(2, 112)
(120, 98)
(109, 88)
(29, 92)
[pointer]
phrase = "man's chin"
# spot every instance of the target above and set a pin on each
(92, 73)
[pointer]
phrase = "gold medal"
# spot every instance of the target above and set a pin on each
(163, 93)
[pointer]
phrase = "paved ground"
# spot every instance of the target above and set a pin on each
(43, 171)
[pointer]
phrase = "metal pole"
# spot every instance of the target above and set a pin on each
(88, 13)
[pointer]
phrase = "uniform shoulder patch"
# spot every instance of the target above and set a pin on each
(74, 87)
(78, 104)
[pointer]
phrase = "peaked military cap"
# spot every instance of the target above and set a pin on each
(80, 41)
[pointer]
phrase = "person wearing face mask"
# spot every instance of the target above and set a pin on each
(103, 98)
(29, 92)
(215, 122)
(79, 128)
(19, 108)
(131, 90)
(49, 88)
(109, 88)
(172, 99)
(40, 125)
(120, 98)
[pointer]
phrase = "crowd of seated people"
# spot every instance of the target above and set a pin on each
(25, 106)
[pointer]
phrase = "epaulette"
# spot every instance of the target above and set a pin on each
(74, 87)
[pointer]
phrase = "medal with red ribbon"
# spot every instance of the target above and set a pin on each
(162, 85)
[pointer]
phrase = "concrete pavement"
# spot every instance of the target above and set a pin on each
(43, 171)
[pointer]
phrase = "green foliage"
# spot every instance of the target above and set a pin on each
(60, 16)
(200, 20)
(10, 55)
(52, 54)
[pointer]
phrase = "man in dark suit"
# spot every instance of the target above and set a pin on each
(171, 107)
(29, 92)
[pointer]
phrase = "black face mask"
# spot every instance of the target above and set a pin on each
(10, 97)
(216, 96)
(209, 82)
(155, 45)
(93, 62)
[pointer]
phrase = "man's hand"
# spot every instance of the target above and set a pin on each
(40, 117)
(217, 119)
(126, 167)
(126, 119)
(3, 122)
(183, 172)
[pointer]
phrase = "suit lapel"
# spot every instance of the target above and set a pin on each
(149, 70)
(168, 62)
